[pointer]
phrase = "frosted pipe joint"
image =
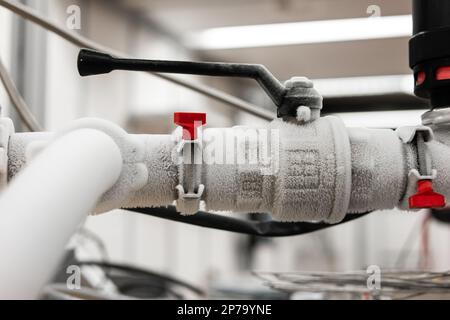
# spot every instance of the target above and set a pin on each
(134, 175)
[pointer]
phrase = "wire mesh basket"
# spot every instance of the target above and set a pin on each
(394, 285)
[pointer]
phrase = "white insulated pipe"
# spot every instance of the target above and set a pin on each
(45, 204)
(317, 171)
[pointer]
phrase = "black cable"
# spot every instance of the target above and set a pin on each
(162, 278)
(143, 288)
(257, 228)
(441, 215)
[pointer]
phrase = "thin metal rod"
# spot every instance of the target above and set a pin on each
(20, 105)
(83, 42)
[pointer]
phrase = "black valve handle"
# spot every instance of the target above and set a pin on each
(93, 63)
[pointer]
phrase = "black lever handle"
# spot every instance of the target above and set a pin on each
(93, 63)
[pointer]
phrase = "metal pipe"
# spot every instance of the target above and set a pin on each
(45, 204)
(22, 109)
(83, 42)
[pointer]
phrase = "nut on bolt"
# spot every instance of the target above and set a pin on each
(299, 82)
(310, 101)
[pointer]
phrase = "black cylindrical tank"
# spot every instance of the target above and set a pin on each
(429, 50)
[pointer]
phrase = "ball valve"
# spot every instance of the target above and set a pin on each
(306, 168)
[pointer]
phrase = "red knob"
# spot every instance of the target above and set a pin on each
(190, 121)
(426, 197)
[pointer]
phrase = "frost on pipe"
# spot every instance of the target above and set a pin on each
(45, 204)
(315, 172)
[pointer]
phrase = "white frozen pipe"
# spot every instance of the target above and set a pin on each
(45, 204)
(318, 171)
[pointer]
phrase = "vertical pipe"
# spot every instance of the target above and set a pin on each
(46, 203)
(430, 15)
(429, 51)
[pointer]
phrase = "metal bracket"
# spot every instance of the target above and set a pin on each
(190, 189)
(190, 158)
(420, 185)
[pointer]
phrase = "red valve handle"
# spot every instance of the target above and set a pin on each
(190, 121)
(426, 197)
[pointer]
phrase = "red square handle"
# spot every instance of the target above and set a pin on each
(426, 197)
(190, 121)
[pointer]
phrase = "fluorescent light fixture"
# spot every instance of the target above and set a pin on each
(365, 86)
(382, 119)
(281, 34)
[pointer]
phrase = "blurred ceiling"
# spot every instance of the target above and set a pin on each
(323, 60)
(188, 15)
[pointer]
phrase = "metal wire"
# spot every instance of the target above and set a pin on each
(83, 42)
(159, 277)
(19, 104)
(58, 291)
(394, 284)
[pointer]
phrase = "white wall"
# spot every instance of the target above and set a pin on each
(5, 53)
